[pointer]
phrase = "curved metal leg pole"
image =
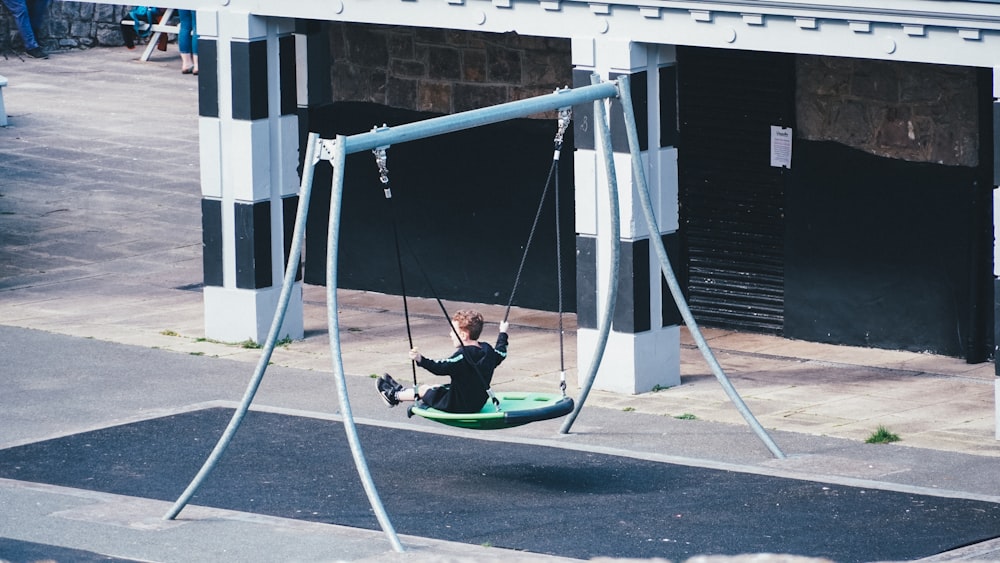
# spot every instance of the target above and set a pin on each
(305, 192)
(668, 272)
(600, 119)
(336, 198)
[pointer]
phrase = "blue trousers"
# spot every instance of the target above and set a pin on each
(30, 16)
(187, 40)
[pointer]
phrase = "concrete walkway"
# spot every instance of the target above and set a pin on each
(100, 238)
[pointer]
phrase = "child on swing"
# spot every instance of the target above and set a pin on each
(470, 368)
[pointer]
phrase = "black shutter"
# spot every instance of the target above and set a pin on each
(731, 199)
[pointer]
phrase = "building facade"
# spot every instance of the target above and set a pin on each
(822, 171)
(759, 251)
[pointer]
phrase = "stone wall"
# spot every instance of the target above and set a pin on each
(443, 71)
(910, 111)
(71, 25)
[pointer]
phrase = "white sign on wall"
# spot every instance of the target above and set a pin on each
(781, 146)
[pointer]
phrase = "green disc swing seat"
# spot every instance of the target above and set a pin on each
(516, 408)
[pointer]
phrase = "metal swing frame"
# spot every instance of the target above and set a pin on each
(336, 150)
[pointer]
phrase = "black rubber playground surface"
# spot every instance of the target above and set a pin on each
(534, 498)
(16, 551)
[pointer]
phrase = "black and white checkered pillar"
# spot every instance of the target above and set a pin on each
(643, 351)
(312, 66)
(249, 156)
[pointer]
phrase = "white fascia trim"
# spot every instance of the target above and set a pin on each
(954, 32)
(922, 12)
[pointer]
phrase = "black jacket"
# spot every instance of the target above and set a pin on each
(467, 391)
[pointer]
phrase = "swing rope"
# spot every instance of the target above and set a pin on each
(382, 161)
(565, 118)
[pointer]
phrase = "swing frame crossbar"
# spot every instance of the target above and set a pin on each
(336, 151)
(387, 136)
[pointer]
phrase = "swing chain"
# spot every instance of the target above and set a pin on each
(382, 160)
(565, 118)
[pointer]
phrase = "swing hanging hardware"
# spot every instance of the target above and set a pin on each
(382, 161)
(495, 400)
(565, 118)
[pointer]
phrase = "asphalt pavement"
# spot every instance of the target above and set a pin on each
(101, 325)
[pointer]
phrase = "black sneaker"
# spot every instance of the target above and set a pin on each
(387, 388)
(37, 53)
(391, 382)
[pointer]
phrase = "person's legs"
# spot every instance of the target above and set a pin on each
(19, 10)
(184, 36)
(393, 393)
(38, 13)
(418, 392)
(184, 40)
(194, 40)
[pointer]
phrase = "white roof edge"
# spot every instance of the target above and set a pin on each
(959, 32)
